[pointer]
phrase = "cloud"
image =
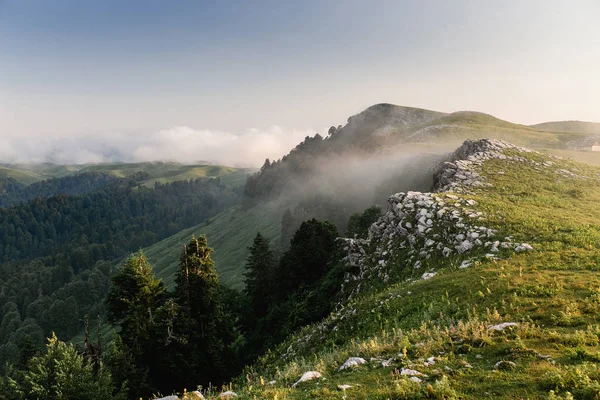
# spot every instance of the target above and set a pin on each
(180, 144)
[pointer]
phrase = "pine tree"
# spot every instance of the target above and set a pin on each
(260, 267)
(200, 324)
(62, 373)
(134, 296)
(133, 301)
(307, 259)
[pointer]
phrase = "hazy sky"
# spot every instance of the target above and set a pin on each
(145, 76)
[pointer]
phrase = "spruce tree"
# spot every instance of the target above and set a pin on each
(200, 326)
(260, 267)
(134, 299)
(134, 296)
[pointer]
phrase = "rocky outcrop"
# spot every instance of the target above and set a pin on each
(425, 227)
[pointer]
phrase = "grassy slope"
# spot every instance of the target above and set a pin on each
(570, 126)
(23, 176)
(170, 172)
(455, 128)
(229, 233)
(553, 293)
(459, 126)
(158, 171)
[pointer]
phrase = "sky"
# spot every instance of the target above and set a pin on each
(237, 81)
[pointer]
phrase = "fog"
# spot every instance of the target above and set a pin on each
(180, 144)
(340, 185)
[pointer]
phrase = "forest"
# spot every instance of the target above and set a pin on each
(200, 333)
(59, 252)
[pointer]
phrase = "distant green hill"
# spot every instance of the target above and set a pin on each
(163, 172)
(588, 128)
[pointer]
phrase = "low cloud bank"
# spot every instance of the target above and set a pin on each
(180, 144)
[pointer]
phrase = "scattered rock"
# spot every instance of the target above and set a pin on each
(428, 275)
(505, 365)
(172, 397)
(410, 372)
(196, 395)
(271, 383)
(308, 376)
(344, 387)
(502, 326)
(387, 363)
(228, 395)
(415, 379)
(352, 362)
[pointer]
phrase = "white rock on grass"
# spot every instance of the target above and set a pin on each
(308, 376)
(523, 247)
(428, 275)
(502, 326)
(228, 395)
(198, 395)
(410, 372)
(415, 379)
(353, 362)
(172, 397)
(271, 383)
(344, 387)
(387, 363)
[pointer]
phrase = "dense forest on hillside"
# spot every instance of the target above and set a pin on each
(110, 221)
(201, 333)
(58, 253)
(13, 191)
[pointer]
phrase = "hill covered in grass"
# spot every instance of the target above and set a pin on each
(487, 287)
(583, 127)
(161, 172)
(384, 149)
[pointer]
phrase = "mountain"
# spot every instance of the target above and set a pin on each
(383, 149)
(484, 287)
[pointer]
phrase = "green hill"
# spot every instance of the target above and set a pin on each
(380, 129)
(514, 314)
(163, 172)
(588, 128)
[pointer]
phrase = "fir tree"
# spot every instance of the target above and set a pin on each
(200, 324)
(260, 267)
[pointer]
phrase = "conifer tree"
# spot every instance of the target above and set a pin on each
(200, 324)
(260, 267)
(134, 296)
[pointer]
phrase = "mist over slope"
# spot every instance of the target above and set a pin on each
(481, 289)
(382, 150)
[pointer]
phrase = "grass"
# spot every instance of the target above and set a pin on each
(553, 293)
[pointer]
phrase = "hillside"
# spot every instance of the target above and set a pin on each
(162, 172)
(228, 232)
(369, 157)
(583, 127)
(165, 172)
(485, 288)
